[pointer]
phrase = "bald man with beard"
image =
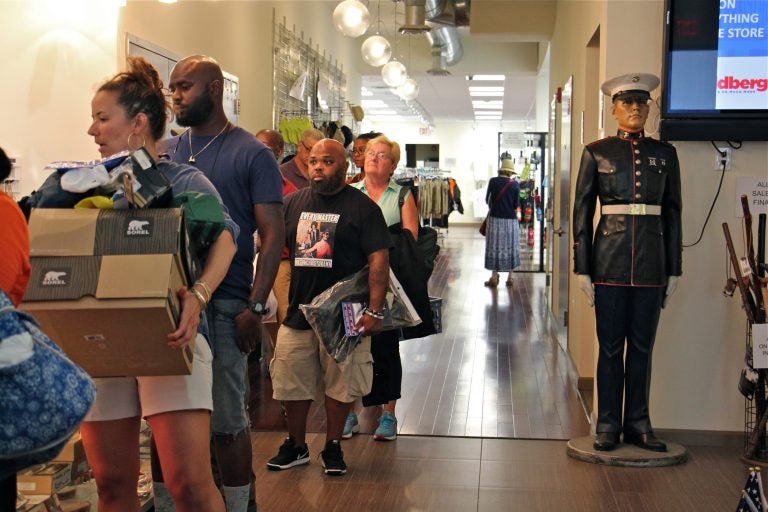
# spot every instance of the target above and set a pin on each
(357, 235)
(246, 174)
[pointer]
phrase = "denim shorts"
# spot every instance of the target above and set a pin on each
(230, 368)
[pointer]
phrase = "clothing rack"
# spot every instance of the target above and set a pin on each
(434, 201)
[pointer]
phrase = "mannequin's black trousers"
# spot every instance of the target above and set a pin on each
(626, 316)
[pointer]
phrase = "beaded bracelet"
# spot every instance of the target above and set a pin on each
(375, 314)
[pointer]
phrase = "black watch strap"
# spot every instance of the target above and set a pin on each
(258, 308)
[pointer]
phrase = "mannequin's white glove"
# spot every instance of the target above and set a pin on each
(585, 285)
(671, 287)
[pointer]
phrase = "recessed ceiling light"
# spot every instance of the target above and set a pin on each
(491, 78)
(486, 77)
(476, 88)
(382, 112)
(487, 104)
(488, 113)
(497, 94)
(374, 104)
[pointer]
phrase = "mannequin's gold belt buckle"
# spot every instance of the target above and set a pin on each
(637, 209)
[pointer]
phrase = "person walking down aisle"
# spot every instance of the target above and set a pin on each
(295, 170)
(358, 236)
(381, 158)
(130, 111)
(246, 174)
(630, 264)
(502, 237)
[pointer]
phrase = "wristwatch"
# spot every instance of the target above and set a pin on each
(258, 308)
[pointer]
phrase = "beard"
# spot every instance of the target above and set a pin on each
(197, 112)
(329, 186)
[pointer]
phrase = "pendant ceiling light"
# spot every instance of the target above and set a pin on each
(394, 73)
(409, 90)
(376, 50)
(351, 18)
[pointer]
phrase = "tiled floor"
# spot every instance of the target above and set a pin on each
(494, 371)
(487, 406)
(446, 474)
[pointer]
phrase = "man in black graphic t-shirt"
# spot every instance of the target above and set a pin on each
(353, 234)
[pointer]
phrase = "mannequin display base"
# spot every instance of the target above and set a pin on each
(627, 455)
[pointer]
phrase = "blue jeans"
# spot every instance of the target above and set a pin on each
(230, 368)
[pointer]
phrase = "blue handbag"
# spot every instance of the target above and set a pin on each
(43, 398)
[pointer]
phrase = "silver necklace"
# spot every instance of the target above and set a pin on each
(193, 156)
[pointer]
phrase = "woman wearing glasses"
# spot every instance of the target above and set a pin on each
(358, 154)
(381, 158)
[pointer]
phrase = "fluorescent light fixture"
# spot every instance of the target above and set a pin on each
(364, 91)
(488, 118)
(487, 94)
(486, 77)
(487, 104)
(382, 112)
(374, 104)
(488, 113)
(475, 88)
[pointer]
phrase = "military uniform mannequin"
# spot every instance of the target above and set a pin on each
(630, 263)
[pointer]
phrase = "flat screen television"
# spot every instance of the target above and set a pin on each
(715, 74)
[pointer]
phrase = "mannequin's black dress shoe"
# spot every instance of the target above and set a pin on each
(646, 441)
(606, 441)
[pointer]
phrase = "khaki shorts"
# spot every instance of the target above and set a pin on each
(128, 397)
(301, 366)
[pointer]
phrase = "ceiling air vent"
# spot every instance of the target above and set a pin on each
(415, 16)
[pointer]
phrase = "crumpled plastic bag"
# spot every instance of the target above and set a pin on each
(324, 313)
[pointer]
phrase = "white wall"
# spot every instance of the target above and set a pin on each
(54, 54)
(239, 36)
(700, 341)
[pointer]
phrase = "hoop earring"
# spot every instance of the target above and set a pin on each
(143, 142)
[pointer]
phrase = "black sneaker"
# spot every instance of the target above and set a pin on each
(288, 456)
(333, 459)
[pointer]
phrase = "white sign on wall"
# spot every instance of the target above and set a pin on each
(756, 190)
(760, 346)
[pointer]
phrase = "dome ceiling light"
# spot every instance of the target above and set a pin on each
(351, 18)
(409, 90)
(394, 73)
(376, 50)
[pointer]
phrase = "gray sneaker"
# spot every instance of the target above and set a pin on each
(351, 427)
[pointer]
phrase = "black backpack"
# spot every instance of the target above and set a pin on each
(427, 241)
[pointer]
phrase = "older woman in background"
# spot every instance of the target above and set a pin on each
(502, 237)
(381, 158)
